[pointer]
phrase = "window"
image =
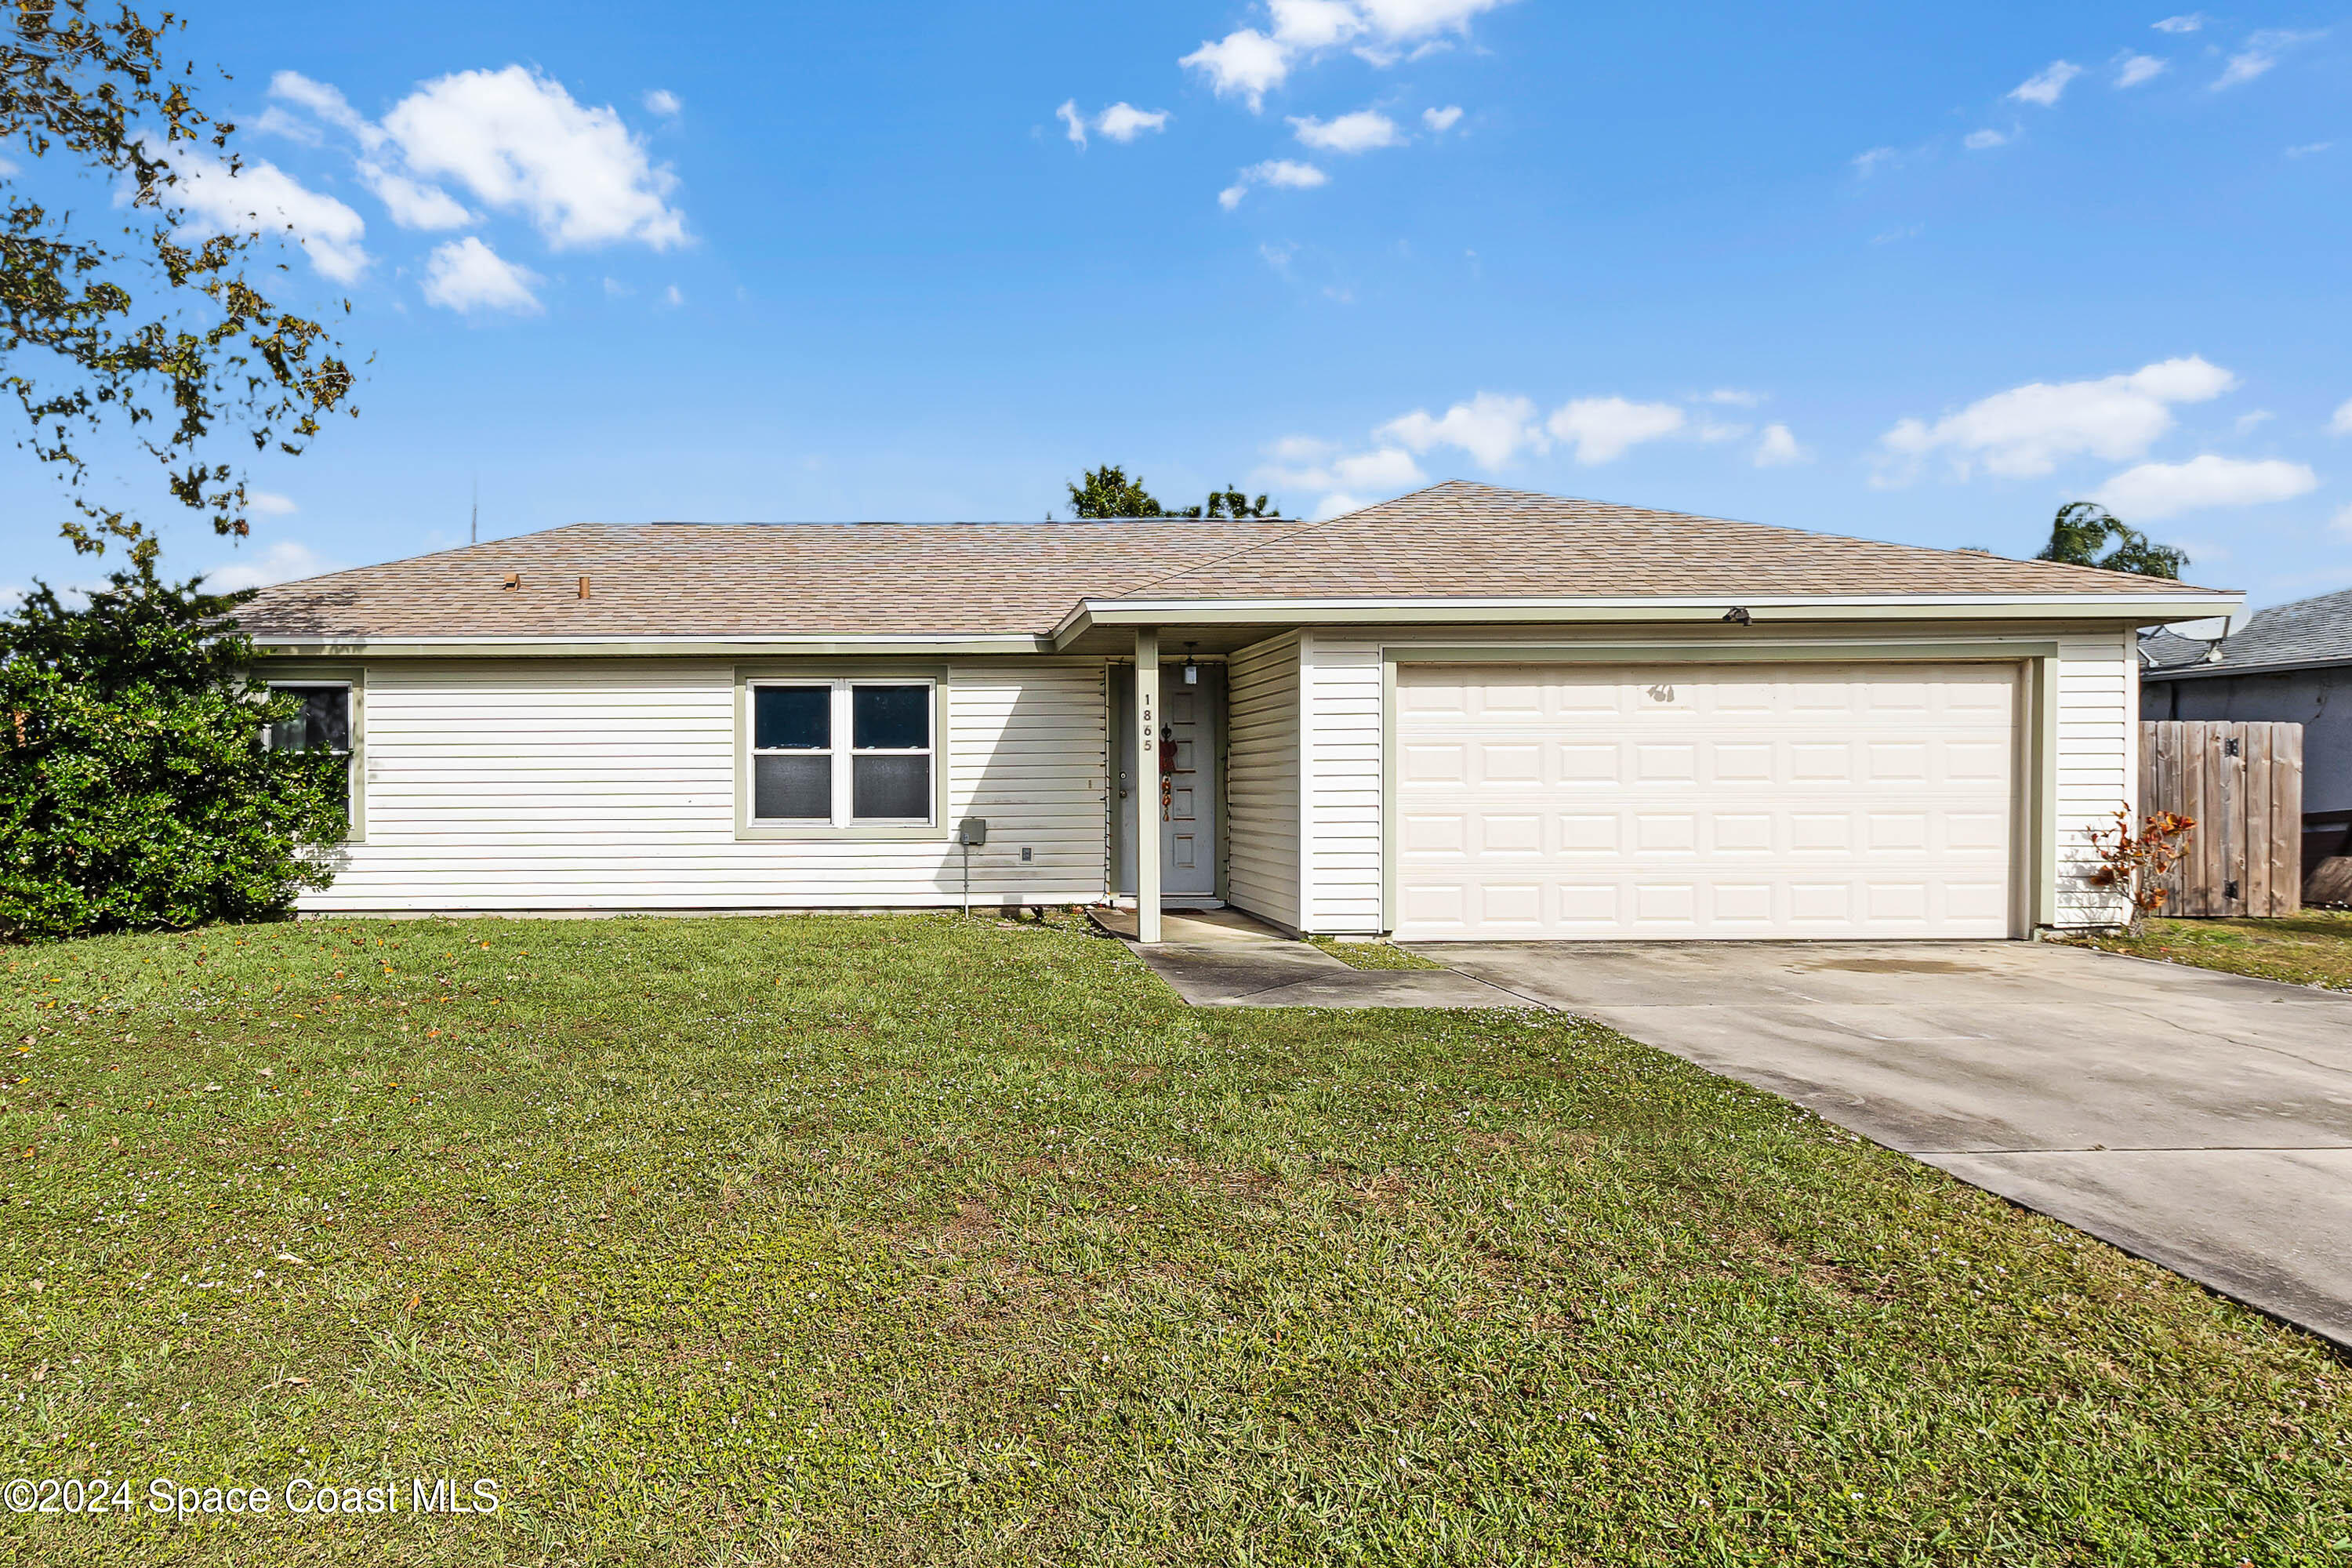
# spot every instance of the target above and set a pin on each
(841, 753)
(323, 724)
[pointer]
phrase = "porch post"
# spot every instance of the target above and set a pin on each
(1147, 793)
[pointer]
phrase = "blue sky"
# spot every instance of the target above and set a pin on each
(1914, 273)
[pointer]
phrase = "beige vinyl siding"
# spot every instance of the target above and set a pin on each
(610, 784)
(1262, 781)
(2098, 763)
(2094, 767)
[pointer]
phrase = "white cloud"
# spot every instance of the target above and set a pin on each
(328, 103)
(270, 503)
(283, 562)
(2308, 148)
(465, 275)
(2342, 523)
(2025, 431)
(1869, 162)
(2341, 424)
(1280, 173)
(1244, 64)
(1121, 121)
(1737, 398)
(1493, 428)
(1124, 122)
(672, 297)
(1979, 141)
(1361, 131)
(2045, 85)
(1899, 232)
(1778, 448)
(1408, 19)
(1308, 464)
(1331, 506)
(2188, 23)
(2154, 492)
(1387, 468)
(1442, 121)
(1314, 24)
(276, 122)
(2260, 52)
(1248, 63)
(1603, 429)
(261, 195)
(664, 102)
(518, 141)
(412, 204)
(2132, 69)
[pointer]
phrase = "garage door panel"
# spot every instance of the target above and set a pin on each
(1813, 801)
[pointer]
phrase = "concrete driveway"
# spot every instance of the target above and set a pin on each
(2194, 1118)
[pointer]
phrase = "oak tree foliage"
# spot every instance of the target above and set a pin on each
(133, 318)
(2083, 528)
(1107, 492)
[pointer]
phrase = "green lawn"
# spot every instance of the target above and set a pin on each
(1373, 954)
(910, 1240)
(2314, 948)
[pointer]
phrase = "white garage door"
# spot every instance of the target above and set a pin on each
(1808, 800)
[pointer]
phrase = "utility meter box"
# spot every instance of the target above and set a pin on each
(973, 831)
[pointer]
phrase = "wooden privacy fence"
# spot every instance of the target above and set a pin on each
(2243, 786)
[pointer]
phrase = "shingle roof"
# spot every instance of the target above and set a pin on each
(1472, 540)
(1455, 540)
(750, 580)
(2309, 631)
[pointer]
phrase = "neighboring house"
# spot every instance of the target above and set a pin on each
(1469, 712)
(2290, 663)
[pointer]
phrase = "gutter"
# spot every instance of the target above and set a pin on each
(2134, 609)
(2208, 672)
(288, 646)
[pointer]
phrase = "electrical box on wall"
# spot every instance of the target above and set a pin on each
(973, 831)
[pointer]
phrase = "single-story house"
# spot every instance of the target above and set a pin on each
(2288, 664)
(1468, 712)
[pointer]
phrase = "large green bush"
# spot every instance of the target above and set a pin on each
(136, 791)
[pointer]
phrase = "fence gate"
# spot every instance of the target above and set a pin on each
(2242, 784)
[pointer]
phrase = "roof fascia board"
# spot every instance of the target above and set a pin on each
(2136, 609)
(2208, 671)
(588, 648)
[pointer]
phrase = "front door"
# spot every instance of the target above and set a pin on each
(1179, 803)
(1187, 795)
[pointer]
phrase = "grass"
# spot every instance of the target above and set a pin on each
(1373, 954)
(2314, 948)
(915, 1240)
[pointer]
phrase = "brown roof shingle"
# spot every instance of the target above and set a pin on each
(1472, 540)
(1454, 540)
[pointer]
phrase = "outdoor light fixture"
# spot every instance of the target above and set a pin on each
(1192, 670)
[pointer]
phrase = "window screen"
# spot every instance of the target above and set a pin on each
(801, 768)
(891, 765)
(324, 725)
(791, 746)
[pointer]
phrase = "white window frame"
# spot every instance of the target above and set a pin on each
(842, 750)
(354, 686)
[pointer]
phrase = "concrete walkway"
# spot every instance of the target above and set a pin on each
(2197, 1119)
(1221, 958)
